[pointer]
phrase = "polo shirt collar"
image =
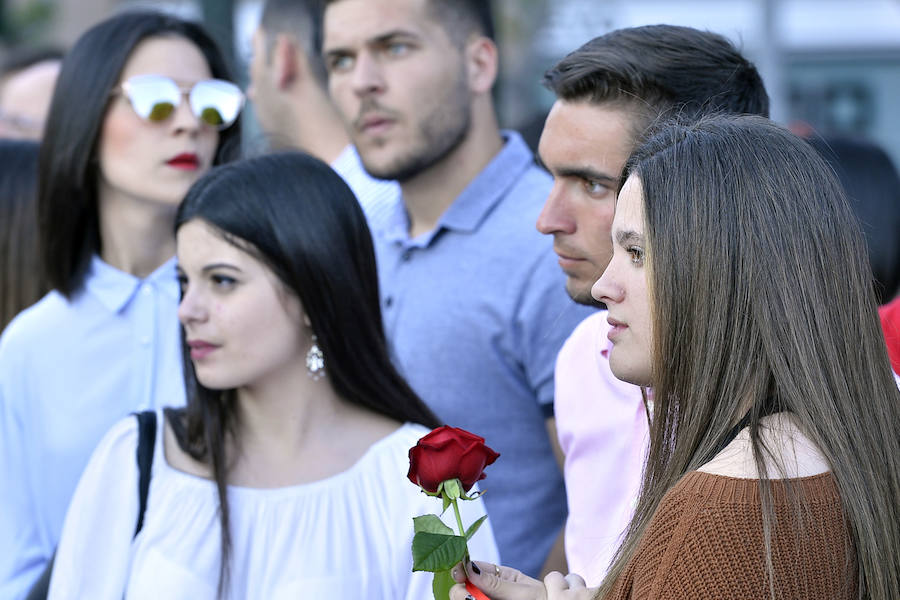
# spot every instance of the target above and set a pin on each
(396, 223)
(487, 189)
(115, 289)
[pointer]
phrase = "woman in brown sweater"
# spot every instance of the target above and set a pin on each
(739, 291)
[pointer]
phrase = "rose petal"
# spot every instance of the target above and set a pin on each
(449, 453)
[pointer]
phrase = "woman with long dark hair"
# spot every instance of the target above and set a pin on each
(21, 284)
(143, 106)
(740, 291)
(285, 475)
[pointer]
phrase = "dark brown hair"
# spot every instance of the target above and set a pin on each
(872, 185)
(21, 284)
(302, 20)
(755, 253)
(462, 18)
(459, 18)
(660, 69)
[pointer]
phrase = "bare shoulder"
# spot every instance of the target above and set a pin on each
(795, 455)
(362, 428)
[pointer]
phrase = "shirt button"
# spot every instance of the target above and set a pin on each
(145, 341)
(388, 301)
(406, 256)
(145, 290)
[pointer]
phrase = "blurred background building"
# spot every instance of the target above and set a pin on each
(831, 66)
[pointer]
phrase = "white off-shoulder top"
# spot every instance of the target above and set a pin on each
(344, 537)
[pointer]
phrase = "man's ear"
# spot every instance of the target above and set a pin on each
(481, 63)
(286, 61)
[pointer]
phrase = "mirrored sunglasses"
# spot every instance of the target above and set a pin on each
(154, 98)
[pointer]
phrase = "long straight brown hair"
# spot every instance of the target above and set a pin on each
(761, 287)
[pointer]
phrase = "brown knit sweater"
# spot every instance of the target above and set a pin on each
(705, 541)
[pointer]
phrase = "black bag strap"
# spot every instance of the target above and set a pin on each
(41, 587)
(146, 442)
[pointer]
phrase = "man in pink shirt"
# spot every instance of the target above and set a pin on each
(890, 323)
(609, 92)
(602, 430)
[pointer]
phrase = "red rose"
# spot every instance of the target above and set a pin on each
(449, 453)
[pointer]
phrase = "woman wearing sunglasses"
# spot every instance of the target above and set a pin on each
(740, 290)
(285, 475)
(142, 108)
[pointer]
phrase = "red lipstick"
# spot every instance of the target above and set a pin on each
(186, 160)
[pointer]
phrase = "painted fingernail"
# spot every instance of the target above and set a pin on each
(475, 568)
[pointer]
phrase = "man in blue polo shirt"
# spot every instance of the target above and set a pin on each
(474, 303)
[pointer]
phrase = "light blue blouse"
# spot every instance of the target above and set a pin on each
(69, 370)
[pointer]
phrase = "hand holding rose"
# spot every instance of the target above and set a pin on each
(504, 583)
(446, 463)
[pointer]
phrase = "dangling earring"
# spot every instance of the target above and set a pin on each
(315, 361)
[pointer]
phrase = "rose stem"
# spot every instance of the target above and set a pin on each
(462, 530)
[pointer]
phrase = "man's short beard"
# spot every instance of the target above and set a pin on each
(584, 297)
(408, 167)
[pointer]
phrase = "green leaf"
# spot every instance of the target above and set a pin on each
(441, 584)
(447, 503)
(474, 527)
(430, 524)
(452, 489)
(437, 552)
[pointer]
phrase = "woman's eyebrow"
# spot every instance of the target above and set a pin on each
(629, 237)
(214, 266)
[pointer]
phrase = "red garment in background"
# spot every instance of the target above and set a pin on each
(890, 323)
